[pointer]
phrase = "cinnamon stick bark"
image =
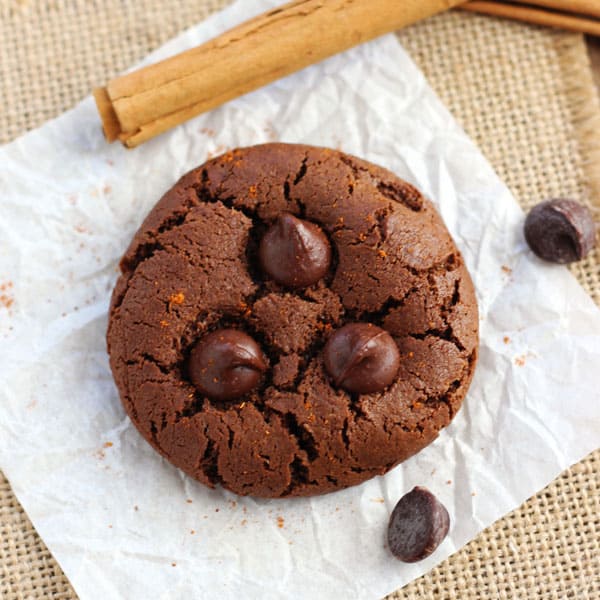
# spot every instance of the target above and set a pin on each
(147, 102)
(581, 7)
(535, 16)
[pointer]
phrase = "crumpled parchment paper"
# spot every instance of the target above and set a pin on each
(125, 524)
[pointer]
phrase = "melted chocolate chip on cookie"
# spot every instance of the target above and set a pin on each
(295, 253)
(362, 358)
(226, 364)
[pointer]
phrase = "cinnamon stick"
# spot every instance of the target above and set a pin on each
(535, 16)
(147, 102)
(579, 7)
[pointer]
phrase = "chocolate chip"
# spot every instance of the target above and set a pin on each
(418, 524)
(225, 364)
(560, 231)
(295, 253)
(362, 358)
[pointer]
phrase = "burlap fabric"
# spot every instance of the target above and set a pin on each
(524, 94)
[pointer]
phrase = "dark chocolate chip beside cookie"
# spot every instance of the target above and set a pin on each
(561, 231)
(290, 321)
(418, 525)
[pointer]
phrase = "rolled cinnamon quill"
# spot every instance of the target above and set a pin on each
(580, 7)
(140, 105)
(536, 16)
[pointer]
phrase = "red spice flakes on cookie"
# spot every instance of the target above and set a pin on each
(177, 298)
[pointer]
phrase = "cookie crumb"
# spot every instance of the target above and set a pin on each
(189, 500)
(192, 532)
(6, 299)
(506, 269)
(108, 444)
(173, 564)
(449, 481)
(280, 522)
(136, 507)
(506, 339)
(520, 361)
(271, 133)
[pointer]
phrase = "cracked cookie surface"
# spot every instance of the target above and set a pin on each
(192, 267)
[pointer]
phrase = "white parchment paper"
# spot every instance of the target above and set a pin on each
(125, 524)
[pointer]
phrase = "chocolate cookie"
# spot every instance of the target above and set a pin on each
(290, 321)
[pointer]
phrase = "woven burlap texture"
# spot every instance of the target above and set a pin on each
(524, 94)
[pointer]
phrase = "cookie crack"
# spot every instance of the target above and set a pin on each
(355, 408)
(304, 439)
(389, 429)
(445, 265)
(302, 170)
(445, 397)
(146, 249)
(356, 169)
(165, 369)
(377, 317)
(208, 463)
(445, 312)
(299, 476)
(406, 195)
(154, 433)
(381, 215)
(441, 334)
